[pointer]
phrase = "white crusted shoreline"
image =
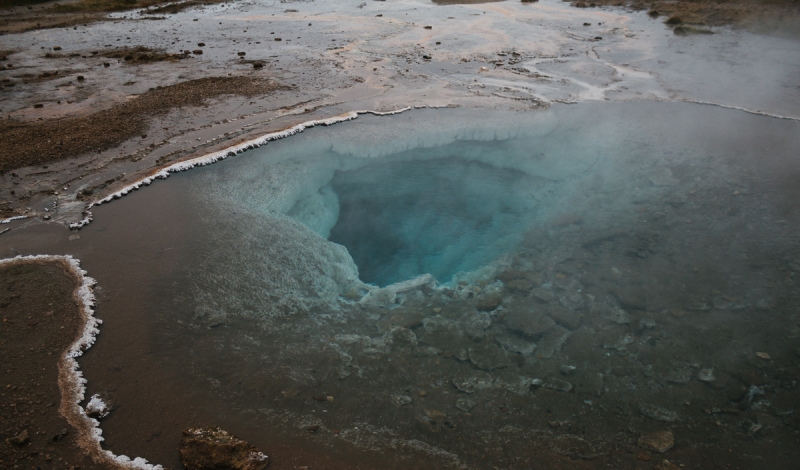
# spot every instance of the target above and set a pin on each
(229, 152)
(70, 378)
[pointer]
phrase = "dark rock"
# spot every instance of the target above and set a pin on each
(201, 44)
(660, 441)
(20, 439)
(258, 65)
(211, 448)
(61, 435)
(278, 39)
(81, 78)
(531, 323)
(428, 27)
(488, 357)
(197, 51)
(241, 54)
(658, 413)
(38, 105)
(489, 303)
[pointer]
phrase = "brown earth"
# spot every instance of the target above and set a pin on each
(24, 144)
(40, 320)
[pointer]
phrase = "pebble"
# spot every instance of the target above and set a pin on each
(660, 441)
(465, 404)
(706, 375)
(329, 399)
(422, 393)
(763, 355)
(658, 413)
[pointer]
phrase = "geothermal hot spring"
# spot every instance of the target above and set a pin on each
(445, 288)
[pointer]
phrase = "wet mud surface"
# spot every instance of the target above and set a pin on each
(40, 320)
(71, 136)
(651, 325)
(667, 304)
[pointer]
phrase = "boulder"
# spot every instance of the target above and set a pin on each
(211, 448)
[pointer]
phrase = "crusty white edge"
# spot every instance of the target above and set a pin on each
(70, 378)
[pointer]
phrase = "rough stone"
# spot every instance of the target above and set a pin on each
(465, 404)
(658, 413)
(660, 441)
(516, 345)
(211, 448)
(400, 400)
(488, 357)
(489, 303)
(469, 384)
(21, 439)
(554, 383)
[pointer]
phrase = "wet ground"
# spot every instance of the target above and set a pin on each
(647, 285)
(655, 292)
(39, 322)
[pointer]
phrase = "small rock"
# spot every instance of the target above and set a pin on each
(400, 400)
(488, 357)
(645, 456)
(435, 414)
(97, 407)
(763, 355)
(210, 448)
(422, 393)
(38, 105)
(515, 344)
(489, 303)
(81, 78)
(465, 404)
(557, 384)
(258, 65)
(329, 399)
(278, 39)
(201, 44)
(706, 375)
(667, 465)
(660, 441)
(241, 54)
(197, 51)
(21, 439)
(658, 413)
(428, 27)
(313, 428)
(567, 370)
(470, 384)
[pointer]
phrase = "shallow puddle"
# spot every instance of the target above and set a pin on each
(504, 289)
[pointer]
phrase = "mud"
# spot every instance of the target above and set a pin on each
(73, 136)
(39, 322)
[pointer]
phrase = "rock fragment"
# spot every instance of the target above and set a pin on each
(660, 441)
(658, 413)
(211, 448)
